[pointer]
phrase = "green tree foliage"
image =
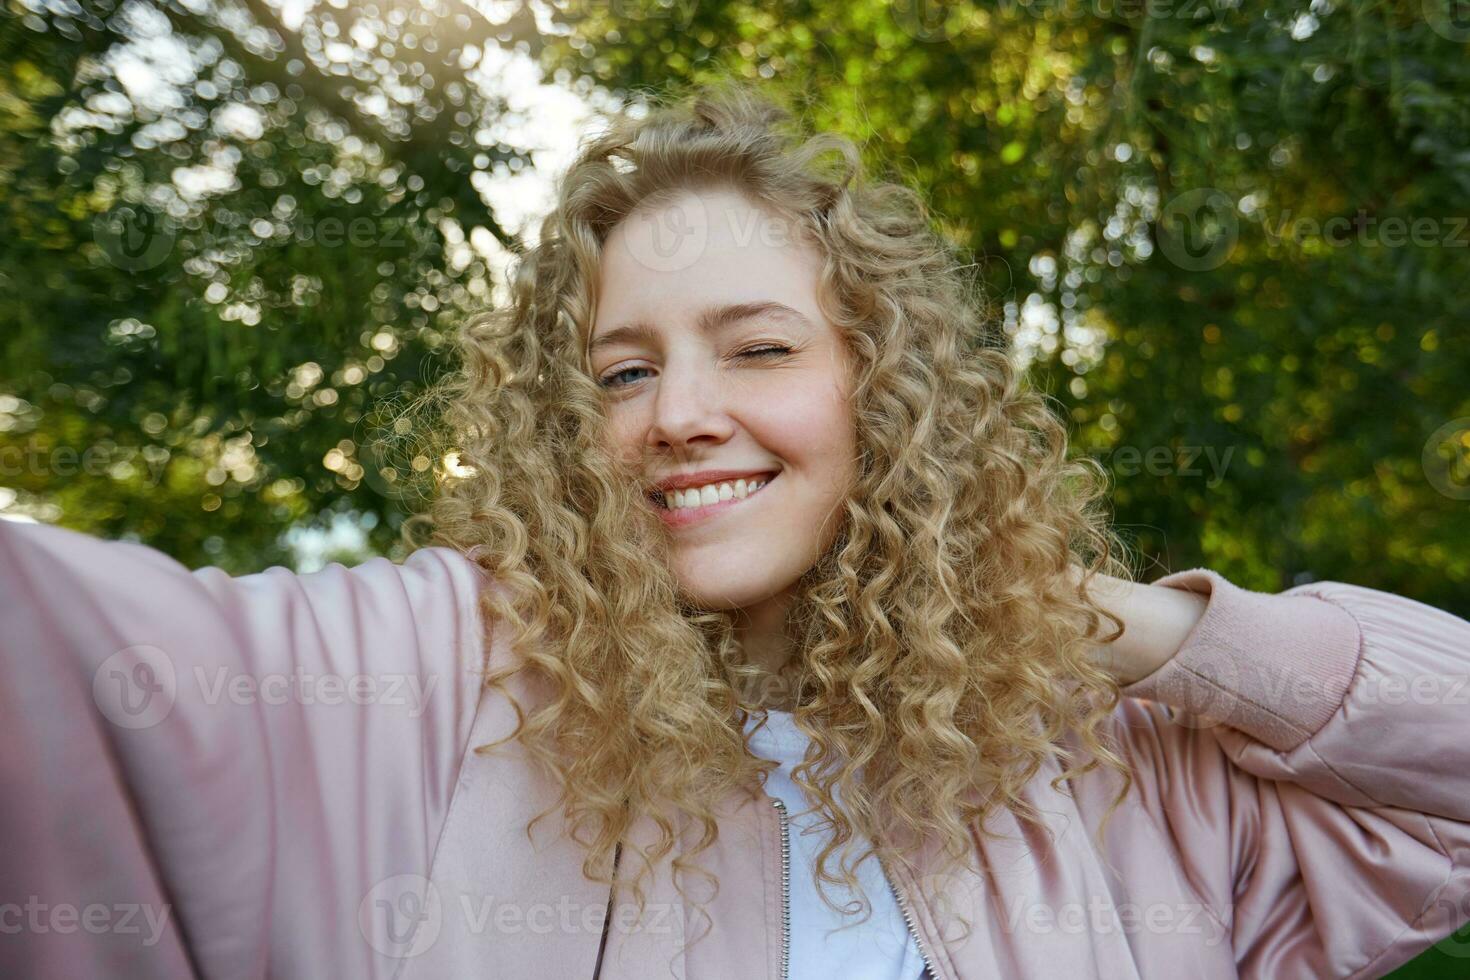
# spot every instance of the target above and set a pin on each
(229, 249)
(1274, 383)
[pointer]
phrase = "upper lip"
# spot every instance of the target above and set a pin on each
(699, 478)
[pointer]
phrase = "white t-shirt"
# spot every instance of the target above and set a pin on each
(878, 949)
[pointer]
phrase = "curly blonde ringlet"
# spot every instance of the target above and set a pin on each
(942, 642)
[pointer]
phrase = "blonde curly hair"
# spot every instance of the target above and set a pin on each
(942, 640)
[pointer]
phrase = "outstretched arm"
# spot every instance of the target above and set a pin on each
(206, 775)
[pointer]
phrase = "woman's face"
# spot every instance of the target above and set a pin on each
(719, 366)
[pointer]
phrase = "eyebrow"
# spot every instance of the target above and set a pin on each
(712, 319)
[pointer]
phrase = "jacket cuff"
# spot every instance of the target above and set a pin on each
(1275, 666)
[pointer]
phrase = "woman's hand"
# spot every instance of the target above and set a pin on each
(1156, 621)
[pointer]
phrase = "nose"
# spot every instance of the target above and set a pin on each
(689, 408)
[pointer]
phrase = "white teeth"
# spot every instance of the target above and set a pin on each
(710, 494)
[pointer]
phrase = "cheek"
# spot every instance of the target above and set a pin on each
(814, 430)
(624, 433)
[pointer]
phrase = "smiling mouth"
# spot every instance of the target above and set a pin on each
(695, 500)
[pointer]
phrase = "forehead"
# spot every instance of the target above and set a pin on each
(672, 258)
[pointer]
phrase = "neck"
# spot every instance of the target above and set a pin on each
(768, 646)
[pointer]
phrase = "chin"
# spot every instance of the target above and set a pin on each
(705, 589)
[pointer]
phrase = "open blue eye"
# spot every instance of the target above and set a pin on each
(607, 381)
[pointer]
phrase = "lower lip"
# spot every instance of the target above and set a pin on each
(685, 516)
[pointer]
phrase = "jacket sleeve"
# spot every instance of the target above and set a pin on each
(1308, 756)
(208, 776)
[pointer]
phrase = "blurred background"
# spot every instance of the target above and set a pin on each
(1231, 240)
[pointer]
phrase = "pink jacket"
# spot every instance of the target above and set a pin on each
(271, 775)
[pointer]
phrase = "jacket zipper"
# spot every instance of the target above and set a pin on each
(903, 905)
(908, 920)
(785, 890)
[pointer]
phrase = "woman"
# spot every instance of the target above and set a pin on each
(770, 598)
